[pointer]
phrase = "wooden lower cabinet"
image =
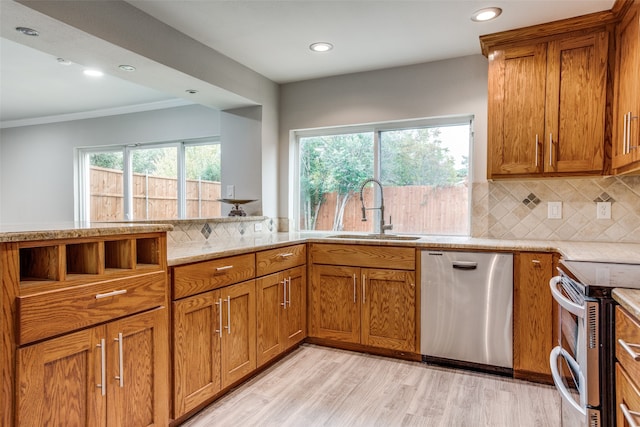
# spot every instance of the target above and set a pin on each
(374, 307)
(627, 368)
(214, 339)
(281, 312)
(110, 375)
(533, 314)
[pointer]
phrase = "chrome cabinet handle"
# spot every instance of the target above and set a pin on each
(631, 147)
(111, 294)
(627, 347)
(224, 267)
(228, 327)
(624, 134)
(550, 149)
(284, 294)
(535, 261)
(219, 330)
(364, 288)
(286, 255)
(120, 377)
(628, 415)
(103, 374)
(354, 288)
(537, 148)
(289, 292)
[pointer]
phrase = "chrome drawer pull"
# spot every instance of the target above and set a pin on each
(628, 415)
(111, 294)
(219, 304)
(627, 347)
(287, 255)
(223, 268)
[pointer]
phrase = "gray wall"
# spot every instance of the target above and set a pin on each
(36, 162)
(451, 87)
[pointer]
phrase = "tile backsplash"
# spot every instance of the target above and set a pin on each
(201, 230)
(517, 209)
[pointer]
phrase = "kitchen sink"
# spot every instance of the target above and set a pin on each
(373, 237)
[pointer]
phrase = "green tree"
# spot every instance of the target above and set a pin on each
(109, 160)
(337, 163)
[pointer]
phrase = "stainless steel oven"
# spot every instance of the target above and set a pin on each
(575, 361)
(583, 361)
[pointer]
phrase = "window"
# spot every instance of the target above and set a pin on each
(423, 167)
(149, 181)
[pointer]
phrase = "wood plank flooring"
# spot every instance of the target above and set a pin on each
(319, 386)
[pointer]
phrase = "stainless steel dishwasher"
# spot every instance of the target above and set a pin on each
(467, 307)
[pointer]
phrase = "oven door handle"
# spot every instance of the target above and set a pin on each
(564, 302)
(556, 353)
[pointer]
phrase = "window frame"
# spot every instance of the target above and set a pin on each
(82, 211)
(376, 128)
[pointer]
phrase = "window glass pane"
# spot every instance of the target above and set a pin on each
(106, 186)
(331, 171)
(155, 183)
(425, 177)
(202, 164)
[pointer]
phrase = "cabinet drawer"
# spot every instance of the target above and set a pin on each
(627, 394)
(273, 260)
(48, 314)
(627, 331)
(364, 256)
(205, 276)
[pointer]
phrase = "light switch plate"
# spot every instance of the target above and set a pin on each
(603, 210)
(231, 191)
(554, 210)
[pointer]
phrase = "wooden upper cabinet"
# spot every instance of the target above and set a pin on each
(516, 109)
(575, 104)
(626, 111)
(547, 107)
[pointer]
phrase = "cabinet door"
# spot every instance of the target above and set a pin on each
(575, 104)
(271, 300)
(197, 333)
(389, 309)
(239, 331)
(335, 303)
(533, 315)
(626, 121)
(59, 381)
(295, 314)
(516, 110)
(137, 370)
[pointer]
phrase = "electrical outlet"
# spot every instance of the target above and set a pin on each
(231, 191)
(257, 227)
(554, 210)
(603, 210)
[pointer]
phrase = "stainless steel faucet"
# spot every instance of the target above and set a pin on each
(383, 227)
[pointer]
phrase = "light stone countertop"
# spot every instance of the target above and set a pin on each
(184, 253)
(70, 230)
(629, 299)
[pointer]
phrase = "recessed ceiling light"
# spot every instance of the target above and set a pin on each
(93, 73)
(191, 91)
(128, 68)
(486, 14)
(27, 31)
(321, 47)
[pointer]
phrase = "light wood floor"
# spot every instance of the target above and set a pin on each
(318, 386)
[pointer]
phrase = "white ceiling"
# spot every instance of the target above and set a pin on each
(272, 38)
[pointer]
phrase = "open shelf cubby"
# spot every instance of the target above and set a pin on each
(84, 258)
(148, 251)
(41, 263)
(118, 254)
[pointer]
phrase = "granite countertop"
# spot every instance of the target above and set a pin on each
(183, 253)
(69, 230)
(629, 299)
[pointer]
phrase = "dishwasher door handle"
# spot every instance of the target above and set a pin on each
(465, 265)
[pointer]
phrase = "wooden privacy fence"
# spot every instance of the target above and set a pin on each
(153, 197)
(413, 209)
